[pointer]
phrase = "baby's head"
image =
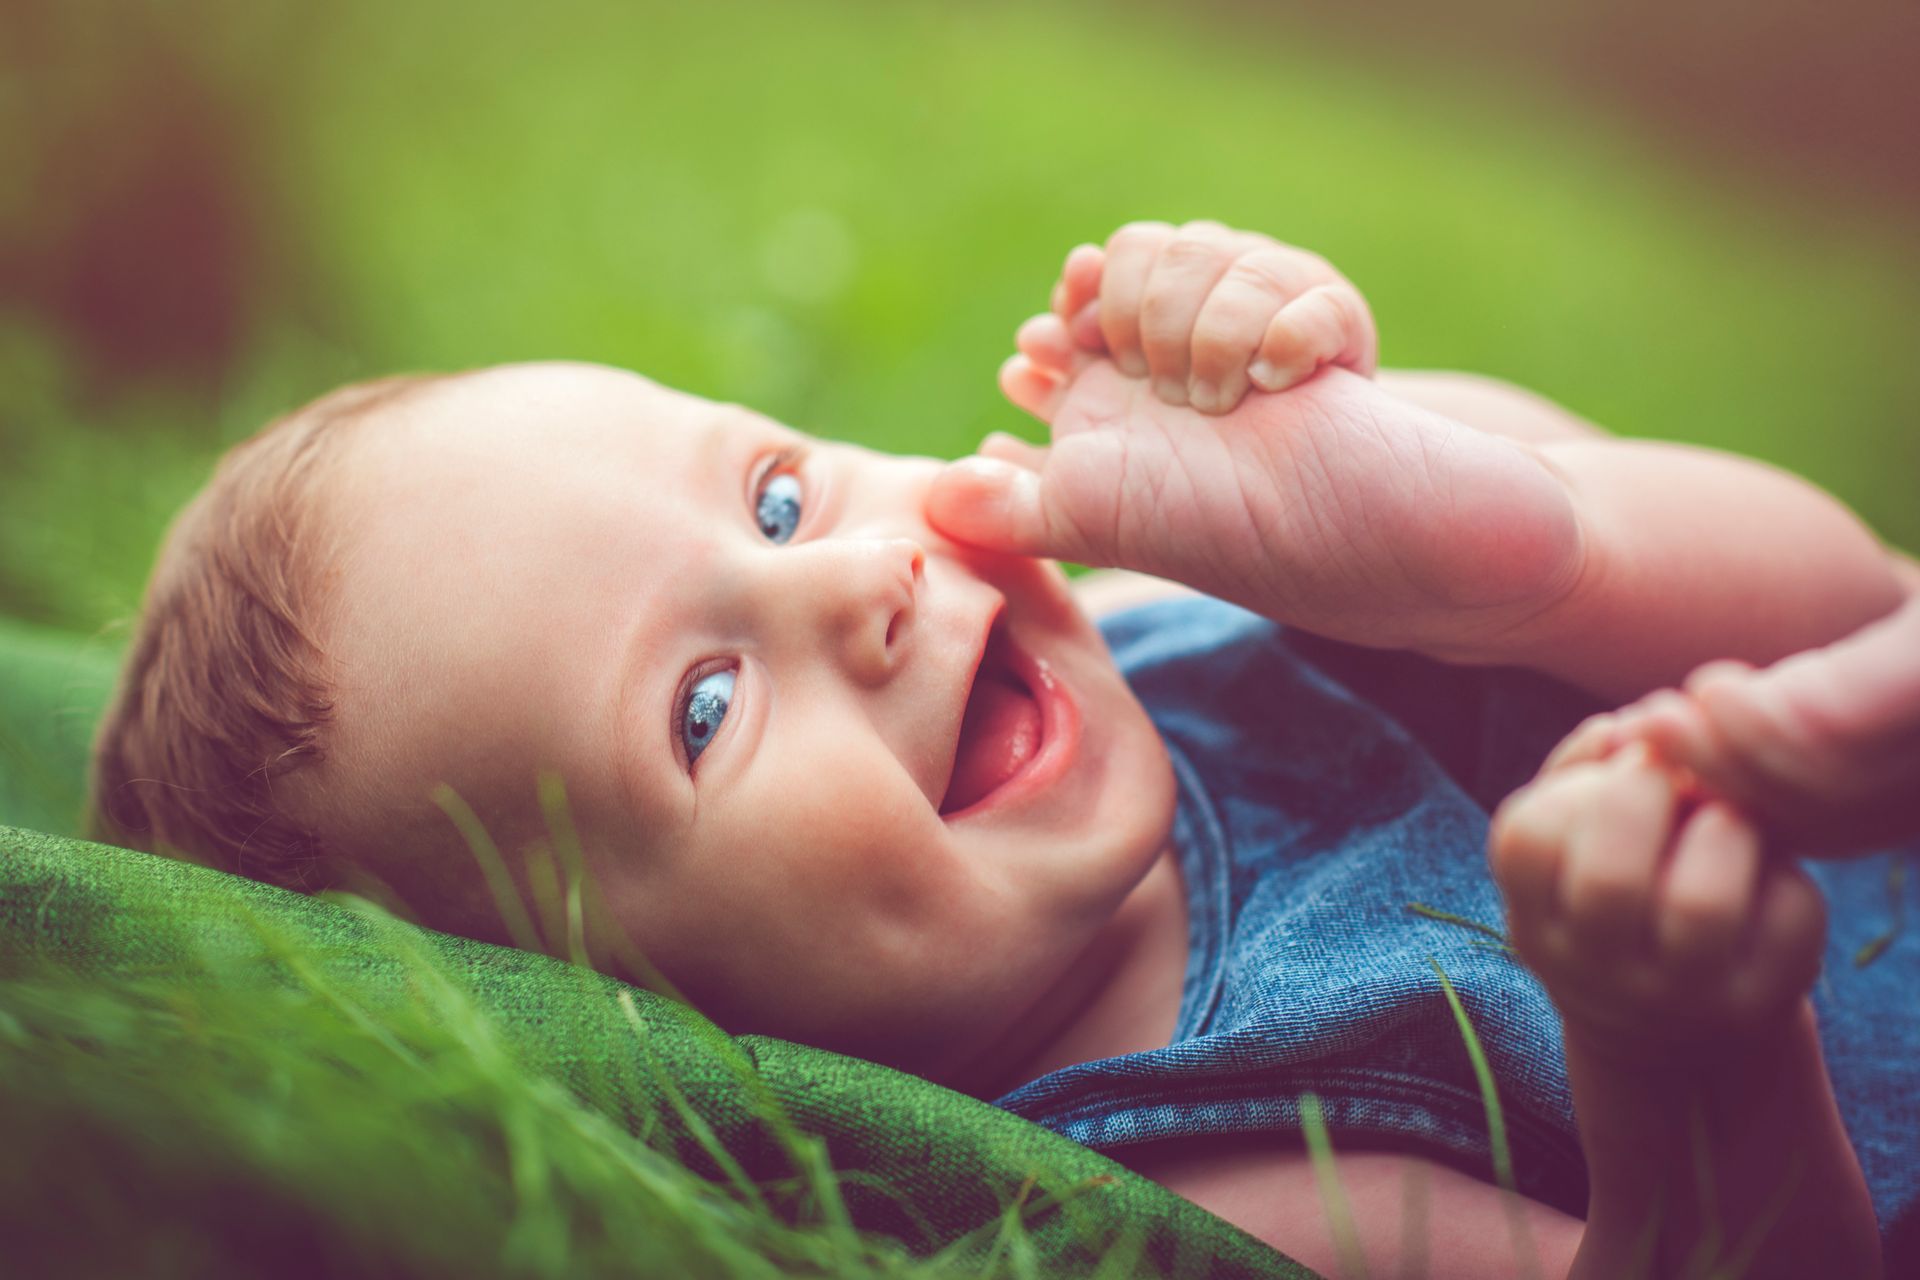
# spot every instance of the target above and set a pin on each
(839, 778)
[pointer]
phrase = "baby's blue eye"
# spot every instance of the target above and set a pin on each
(778, 506)
(706, 707)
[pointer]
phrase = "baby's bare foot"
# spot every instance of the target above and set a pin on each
(1334, 506)
(1824, 745)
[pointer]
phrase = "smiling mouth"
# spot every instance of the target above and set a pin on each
(1000, 733)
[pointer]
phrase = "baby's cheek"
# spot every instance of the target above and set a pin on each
(880, 848)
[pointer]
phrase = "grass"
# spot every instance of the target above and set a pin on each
(279, 1110)
(409, 1144)
(1333, 1199)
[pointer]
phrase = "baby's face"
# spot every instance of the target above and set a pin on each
(841, 779)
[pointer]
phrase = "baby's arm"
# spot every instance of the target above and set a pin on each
(1680, 957)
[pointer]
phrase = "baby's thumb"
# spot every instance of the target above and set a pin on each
(998, 506)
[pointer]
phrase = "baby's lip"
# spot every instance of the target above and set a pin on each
(956, 721)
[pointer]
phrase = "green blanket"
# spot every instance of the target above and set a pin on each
(122, 973)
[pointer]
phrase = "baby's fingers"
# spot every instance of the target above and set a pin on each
(1788, 938)
(1328, 324)
(1706, 903)
(1730, 754)
(1593, 739)
(1188, 268)
(1235, 318)
(1744, 934)
(1007, 448)
(1527, 846)
(1079, 286)
(1672, 724)
(1614, 855)
(1044, 340)
(1031, 387)
(1130, 256)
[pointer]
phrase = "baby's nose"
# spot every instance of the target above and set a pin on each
(868, 593)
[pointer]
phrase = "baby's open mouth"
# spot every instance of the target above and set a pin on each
(1000, 732)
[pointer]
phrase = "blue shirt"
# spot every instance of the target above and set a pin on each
(1330, 797)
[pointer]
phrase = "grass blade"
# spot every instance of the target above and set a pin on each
(1896, 894)
(1523, 1247)
(1448, 917)
(513, 911)
(1333, 1199)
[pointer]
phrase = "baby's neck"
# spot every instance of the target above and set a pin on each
(1120, 995)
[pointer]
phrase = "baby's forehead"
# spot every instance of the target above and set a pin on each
(532, 453)
(559, 405)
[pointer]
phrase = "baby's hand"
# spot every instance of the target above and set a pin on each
(1657, 926)
(1202, 310)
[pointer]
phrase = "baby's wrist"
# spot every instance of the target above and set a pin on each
(1659, 1049)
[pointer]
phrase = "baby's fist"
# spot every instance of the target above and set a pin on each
(1653, 925)
(1201, 310)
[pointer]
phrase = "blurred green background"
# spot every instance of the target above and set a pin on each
(1695, 223)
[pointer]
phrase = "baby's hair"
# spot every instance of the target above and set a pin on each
(225, 690)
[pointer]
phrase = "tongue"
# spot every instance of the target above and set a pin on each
(1000, 733)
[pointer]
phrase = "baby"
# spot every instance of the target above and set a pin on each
(853, 768)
